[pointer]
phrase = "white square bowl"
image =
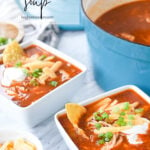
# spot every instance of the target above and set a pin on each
(48, 104)
(7, 135)
(66, 137)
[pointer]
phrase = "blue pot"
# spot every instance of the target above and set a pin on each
(117, 62)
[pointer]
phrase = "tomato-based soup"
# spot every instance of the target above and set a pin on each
(91, 143)
(130, 21)
(32, 87)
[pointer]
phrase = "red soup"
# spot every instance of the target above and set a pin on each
(130, 21)
(120, 122)
(36, 75)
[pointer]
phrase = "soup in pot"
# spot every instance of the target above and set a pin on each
(129, 21)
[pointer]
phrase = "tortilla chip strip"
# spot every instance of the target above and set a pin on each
(49, 72)
(38, 64)
(111, 129)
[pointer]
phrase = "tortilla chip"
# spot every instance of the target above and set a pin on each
(74, 112)
(13, 53)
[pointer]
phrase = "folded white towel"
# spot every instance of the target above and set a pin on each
(45, 30)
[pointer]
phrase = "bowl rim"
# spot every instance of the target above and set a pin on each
(61, 55)
(94, 99)
(20, 34)
(22, 134)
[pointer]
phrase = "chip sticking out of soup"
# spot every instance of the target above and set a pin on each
(117, 122)
(74, 112)
(12, 53)
(28, 74)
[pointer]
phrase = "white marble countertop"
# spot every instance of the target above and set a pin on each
(75, 45)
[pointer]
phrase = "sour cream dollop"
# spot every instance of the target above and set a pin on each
(13, 74)
(132, 134)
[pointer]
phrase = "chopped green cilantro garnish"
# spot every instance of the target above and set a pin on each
(95, 114)
(36, 73)
(121, 121)
(101, 135)
(42, 57)
(109, 135)
(126, 106)
(53, 83)
(100, 141)
(105, 115)
(34, 82)
(18, 64)
(4, 41)
(139, 110)
(105, 137)
(98, 118)
(98, 126)
(130, 117)
(122, 114)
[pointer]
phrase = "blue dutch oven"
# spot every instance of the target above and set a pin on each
(116, 62)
